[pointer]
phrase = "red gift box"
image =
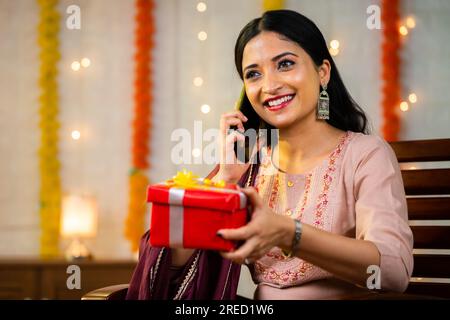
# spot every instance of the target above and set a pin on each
(190, 216)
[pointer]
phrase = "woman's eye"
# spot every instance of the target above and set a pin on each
(285, 64)
(251, 74)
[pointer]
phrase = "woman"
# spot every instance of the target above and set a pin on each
(329, 201)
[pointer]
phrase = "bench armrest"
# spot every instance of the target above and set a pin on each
(117, 292)
(386, 295)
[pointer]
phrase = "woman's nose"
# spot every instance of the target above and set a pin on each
(271, 84)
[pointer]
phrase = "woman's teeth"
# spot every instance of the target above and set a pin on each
(274, 103)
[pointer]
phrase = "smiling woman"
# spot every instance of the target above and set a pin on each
(329, 207)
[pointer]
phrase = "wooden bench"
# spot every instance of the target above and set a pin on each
(428, 197)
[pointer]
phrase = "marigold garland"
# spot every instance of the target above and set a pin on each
(390, 64)
(134, 224)
(273, 5)
(49, 165)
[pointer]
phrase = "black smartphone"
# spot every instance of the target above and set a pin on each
(242, 149)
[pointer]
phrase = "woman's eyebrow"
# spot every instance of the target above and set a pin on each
(281, 55)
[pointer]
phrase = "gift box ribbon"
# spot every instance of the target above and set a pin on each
(176, 217)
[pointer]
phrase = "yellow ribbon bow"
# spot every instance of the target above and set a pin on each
(187, 180)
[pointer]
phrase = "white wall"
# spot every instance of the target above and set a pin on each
(99, 99)
(18, 128)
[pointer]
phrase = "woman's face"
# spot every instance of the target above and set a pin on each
(281, 80)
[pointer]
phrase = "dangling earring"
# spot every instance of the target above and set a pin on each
(323, 106)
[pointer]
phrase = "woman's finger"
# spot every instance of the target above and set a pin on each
(242, 233)
(228, 155)
(254, 197)
(237, 114)
(242, 252)
(234, 136)
(227, 123)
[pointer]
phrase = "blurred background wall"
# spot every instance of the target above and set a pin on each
(97, 100)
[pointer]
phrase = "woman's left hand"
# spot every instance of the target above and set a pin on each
(264, 231)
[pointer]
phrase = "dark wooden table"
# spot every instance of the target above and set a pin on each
(47, 279)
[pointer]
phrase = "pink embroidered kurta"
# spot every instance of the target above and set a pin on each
(357, 192)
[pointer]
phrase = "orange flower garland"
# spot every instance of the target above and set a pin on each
(390, 64)
(134, 224)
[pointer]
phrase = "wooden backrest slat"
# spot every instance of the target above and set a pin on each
(431, 237)
(431, 266)
(429, 208)
(426, 181)
(422, 150)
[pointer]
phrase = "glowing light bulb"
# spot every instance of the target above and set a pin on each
(202, 36)
(201, 7)
(205, 108)
(75, 66)
(403, 30)
(196, 152)
(412, 98)
(85, 62)
(76, 134)
(198, 81)
(334, 44)
(411, 22)
(404, 106)
(334, 52)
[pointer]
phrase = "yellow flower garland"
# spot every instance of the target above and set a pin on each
(273, 4)
(49, 165)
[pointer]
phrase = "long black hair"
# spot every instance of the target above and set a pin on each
(345, 114)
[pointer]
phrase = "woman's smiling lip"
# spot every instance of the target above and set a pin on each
(281, 104)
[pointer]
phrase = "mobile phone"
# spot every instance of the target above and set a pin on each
(242, 149)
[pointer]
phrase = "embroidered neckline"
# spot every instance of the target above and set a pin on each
(322, 200)
(342, 141)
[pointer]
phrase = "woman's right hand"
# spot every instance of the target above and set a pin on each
(231, 168)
